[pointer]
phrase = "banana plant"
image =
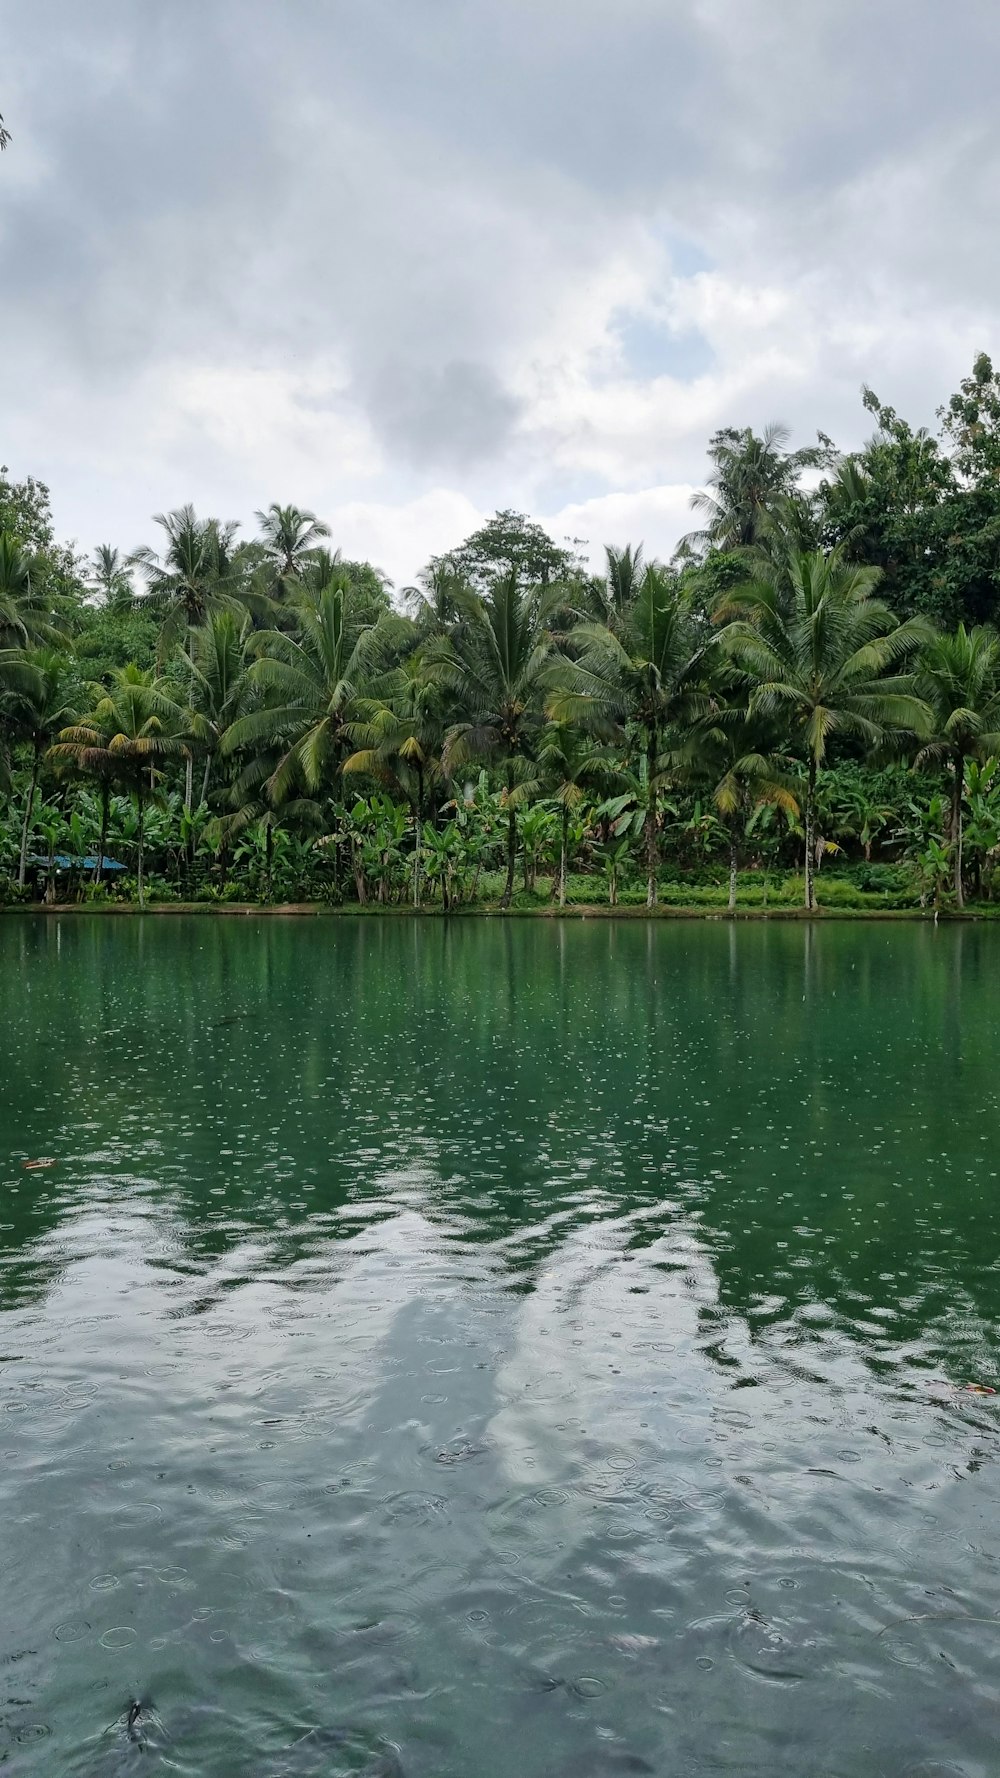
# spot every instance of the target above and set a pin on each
(538, 827)
(982, 823)
(616, 857)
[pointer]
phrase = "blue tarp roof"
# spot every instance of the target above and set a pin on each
(63, 861)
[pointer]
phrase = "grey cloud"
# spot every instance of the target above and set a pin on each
(451, 416)
(399, 195)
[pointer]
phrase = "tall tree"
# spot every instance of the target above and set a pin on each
(823, 655)
(398, 737)
(133, 727)
(750, 475)
(970, 420)
(25, 611)
(649, 674)
(927, 511)
(109, 575)
(572, 766)
(434, 601)
(311, 681)
(959, 680)
(290, 537)
(193, 577)
(37, 712)
(737, 753)
(607, 599)
(85, 747)
(509, 546)
(219, 685)
(500, 673)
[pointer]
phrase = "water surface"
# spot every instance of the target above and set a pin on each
(498, 1350)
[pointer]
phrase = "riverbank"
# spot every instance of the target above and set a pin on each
(491, 911)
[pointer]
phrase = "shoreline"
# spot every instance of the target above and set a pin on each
(583, 911)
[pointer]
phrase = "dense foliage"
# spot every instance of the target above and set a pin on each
(803, 706)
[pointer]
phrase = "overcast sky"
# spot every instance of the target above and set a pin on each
(407, 261)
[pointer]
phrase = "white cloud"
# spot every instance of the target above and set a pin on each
(379, 263)
(654, 517)
(400, 536)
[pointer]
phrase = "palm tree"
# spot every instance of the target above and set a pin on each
(750, 476)
(17, 677)
(133, 726)
(220, 689)
(312, 681)
(399, 737)
(194, 577)
(434, 602)
(606, 599)
(38, 711)
(823, 653)
(290, 537)
(500, 671)
(572, 764)
(85, 746)
(650, 674)
(959, 678)
(24, 613)
(738, 754)
(109, 573)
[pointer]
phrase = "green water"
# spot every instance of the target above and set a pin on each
(498, 1350)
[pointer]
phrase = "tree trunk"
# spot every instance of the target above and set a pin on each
(958, 768)
(810, 842)
(733, 866)
(189, 782)
(562, 856)
(140, 800)
(268, 858)
(511, 855)
(419, 837)
(105, 818)
(360, 880)
(652, 838)
(29, 809)
(205, 779)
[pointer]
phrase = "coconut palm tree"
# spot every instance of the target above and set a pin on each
(823, 656)
(24, 610)
(399, 736)
(750, 476)
(133, 727)
(15, 592)
(37, 712)
(194, 576)
(85, 747)
(959, 679)
(433, 603)
(500, 671)
(219, 686)
(650, 675)
(737, 751)
(311, 682)
(573, 765)
(109, 574)
(289, 539)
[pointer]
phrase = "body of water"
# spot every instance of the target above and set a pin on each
(498, 1349)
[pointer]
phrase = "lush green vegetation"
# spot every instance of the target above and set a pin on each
(801, 708)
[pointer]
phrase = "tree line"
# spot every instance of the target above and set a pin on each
(814, 676)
